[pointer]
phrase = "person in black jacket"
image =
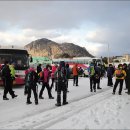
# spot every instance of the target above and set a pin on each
(31, 82)
(98, 75)
(110, 72)
(61, 75)
(128, 79)
(125, 69)
(67, 75)
(7, 81)
(39, 68)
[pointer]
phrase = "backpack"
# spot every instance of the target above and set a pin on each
(119, 74)
(30, 79)
(62, 74)
(41, 75)
(92, 71)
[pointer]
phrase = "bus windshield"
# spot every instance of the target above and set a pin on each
(20, 61)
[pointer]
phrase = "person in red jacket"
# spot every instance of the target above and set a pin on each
(45, 83)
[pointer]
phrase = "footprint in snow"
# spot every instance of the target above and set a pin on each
(119, 107)
(108, 121)
(127, 103)
(97, 121)
(119, 121)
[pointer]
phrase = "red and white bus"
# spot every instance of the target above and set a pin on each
(20, 59)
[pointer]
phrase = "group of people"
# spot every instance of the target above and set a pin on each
(95, 74)
(121, 74)
(60, 76)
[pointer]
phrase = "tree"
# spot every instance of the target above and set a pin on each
(105, 60)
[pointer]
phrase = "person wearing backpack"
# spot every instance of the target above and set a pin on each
(39, 69)
(31, 80)
(98, 74)
(45, 83)
(7, 81)
(120, 75)
(67, 75)
(91, 71)
(61, 74)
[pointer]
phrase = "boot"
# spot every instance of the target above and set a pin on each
(5, 98)
(64, 103)
(119, 93)
(99, 88)
(58, 104)
(113, 93)
(29, 102)
(51, 97)
(13, 96)
(40, 97)
(36, 102)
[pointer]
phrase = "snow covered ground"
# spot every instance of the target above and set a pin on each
(86, 110)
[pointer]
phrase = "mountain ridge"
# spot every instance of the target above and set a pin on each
(48, 48)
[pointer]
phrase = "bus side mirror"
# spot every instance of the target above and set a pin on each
(31, 59)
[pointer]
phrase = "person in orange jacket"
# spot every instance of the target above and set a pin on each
(75, 75)
(120, 75)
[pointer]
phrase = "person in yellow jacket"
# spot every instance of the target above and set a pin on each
(120, 75)
(12, 71)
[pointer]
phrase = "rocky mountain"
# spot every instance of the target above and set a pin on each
(48, 48)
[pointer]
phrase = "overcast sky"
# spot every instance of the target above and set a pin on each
(93, 25)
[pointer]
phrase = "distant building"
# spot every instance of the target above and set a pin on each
(122, 59)
(126, 57)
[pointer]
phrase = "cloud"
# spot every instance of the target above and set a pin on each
(92, 24)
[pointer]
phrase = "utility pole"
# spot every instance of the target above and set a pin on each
(108, 54)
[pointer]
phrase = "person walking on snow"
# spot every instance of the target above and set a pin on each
(31, 80)
(98, 74)
(45, 83)
(120, 75)
(7, 81)
(75, 75)
(128, 79)
(91, 71)
(61, 74)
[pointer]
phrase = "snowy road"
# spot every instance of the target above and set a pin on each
(16, 114)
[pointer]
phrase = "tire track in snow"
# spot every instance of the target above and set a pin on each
(76, 109)
(52, 116)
